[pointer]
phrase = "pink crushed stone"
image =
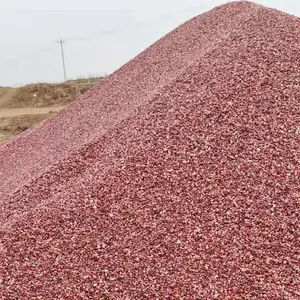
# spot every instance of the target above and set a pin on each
(176, 178)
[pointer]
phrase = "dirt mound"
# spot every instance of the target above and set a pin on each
(6, 93)
(45, 94)
(24, 104)
(176, 178)
(42, 94)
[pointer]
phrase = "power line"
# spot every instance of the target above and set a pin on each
(25, 10)
(61, 42)
(102, 33)
(136, 24)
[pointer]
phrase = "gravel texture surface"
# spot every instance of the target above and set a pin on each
(176, 178)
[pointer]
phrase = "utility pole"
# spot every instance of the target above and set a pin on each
(61, 42)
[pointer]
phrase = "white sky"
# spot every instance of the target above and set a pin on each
(100, 35)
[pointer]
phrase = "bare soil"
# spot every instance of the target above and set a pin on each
(21, 108)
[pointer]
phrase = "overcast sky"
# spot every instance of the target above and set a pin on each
(100, 35)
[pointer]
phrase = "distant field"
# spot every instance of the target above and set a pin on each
(21, 108)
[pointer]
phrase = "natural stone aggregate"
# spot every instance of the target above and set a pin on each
(176, 178)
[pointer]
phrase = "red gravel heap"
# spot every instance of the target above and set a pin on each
(176, 178)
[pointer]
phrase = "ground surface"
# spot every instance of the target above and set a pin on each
(22, 108)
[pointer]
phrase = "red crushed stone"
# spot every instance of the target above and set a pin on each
(176, 178)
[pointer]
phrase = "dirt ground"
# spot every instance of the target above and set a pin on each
(21, 108)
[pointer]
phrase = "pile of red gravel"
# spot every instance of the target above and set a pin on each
(176, 178)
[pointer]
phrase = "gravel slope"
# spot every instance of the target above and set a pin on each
(181, 182)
